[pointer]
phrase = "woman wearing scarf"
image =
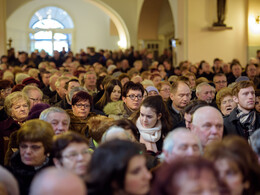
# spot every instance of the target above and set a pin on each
(151, 121)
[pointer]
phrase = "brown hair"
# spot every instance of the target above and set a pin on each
(166, 179)
(36, 130)
(61, 142)
(222, 93)
(241, 85)
(237, 150)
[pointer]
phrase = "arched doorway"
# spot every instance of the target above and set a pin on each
(156, 26)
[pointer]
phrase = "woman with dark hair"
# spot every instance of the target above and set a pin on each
(124, 172)
(152, 121)
(237, 165)
(187, 176)
(71, 152)
(80, 113)
(35, 142)
(113, 92)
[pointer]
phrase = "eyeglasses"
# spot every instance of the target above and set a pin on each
(83, 105)
(132, 97)
(35, 100)
(74, 155)
(221, 82)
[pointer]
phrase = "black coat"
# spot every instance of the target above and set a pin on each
(176, 118)
(24, 174)
(232, 124)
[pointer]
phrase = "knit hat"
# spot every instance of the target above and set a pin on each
(36, 110)
(242, 78)
(30, 80)
(151, 88)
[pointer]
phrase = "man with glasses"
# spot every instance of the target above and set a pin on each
(132, 96)
(34, 94)
(220, 81)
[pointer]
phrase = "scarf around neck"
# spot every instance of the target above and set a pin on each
(247, 121)
(150, 134)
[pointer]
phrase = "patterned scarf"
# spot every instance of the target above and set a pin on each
(247, 121)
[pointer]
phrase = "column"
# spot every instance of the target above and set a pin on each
(3, 41)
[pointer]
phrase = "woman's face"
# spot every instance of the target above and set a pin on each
(231, 175)
(76, 158)
(81, 109)
(148, 117)
(20, 110)
(137, 179)
(192, 81)
(116, 94)
(165, 92)
(193, 182)
(32, 153)
(227, 105)
(257, 103)
(156, 80)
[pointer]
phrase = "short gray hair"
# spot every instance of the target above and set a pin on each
(44, 114)
(57, 83)
(199, 86)
(74, 90)
(169, 140)
(19, 77)
(28, 88)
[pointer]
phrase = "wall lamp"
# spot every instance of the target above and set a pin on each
(257, 20)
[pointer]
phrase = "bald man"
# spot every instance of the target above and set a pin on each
(207, 124)
(181, 143)
(53, 181)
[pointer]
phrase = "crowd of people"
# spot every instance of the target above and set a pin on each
(127, 122)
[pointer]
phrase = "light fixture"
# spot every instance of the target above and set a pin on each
(257, 20)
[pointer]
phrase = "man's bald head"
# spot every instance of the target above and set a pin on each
(53, 181)
(207, 124)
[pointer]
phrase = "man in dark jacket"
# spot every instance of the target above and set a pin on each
(179, 98)
(243, 120)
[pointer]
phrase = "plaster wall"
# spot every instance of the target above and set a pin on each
(92, 25)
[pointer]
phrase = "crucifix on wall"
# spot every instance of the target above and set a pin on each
(221, 9)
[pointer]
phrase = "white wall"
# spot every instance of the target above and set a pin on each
(91, 24)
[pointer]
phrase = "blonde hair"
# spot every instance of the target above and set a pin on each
(11, 99)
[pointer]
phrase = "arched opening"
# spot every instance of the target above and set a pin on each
(50, 29)
(156, 26)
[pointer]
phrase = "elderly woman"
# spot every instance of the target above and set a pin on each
(164, 88)
(35, 142)
(225, 101)
(16, 106)
(71, 152)
(80, 113)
